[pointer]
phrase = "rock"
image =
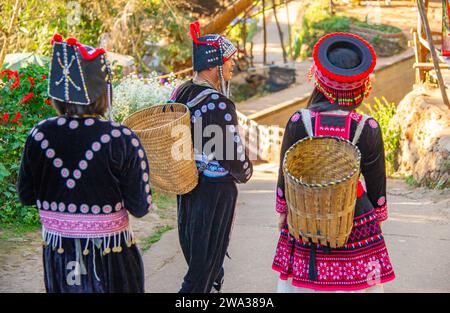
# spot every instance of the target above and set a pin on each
(424, 147)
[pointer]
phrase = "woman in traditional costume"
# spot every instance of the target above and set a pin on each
(205, 215)
(342, 65)
(85, 174)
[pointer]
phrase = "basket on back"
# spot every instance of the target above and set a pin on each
(321, 177)
(163, 130)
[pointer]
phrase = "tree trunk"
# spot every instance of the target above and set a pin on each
(7, 33)
(264, 32)
(220, 23)
(280, 32)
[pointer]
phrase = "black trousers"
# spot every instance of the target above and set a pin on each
(205, 217)
(116, 272)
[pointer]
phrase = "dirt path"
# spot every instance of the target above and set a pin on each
(417, 234)
(21, 257)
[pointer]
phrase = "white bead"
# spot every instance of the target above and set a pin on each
(70, 183)
(72, 208)
(65, 173)
(96, 146)
(95, 209)
(73, 124)
(57, 163)
(50, 153)
(135, 142)
(105, 138)
(61, 121)
(39, 136)
(228, 117)
(83, 165)
(84, 208)
(53, 206)
(115, 133)
(44, 144)
(89, 122)
(77, 174)
(89, 155)
(61, 207)
(118, 206)
(107, 209)
(126, 131)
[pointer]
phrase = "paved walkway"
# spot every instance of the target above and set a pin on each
(417, 234)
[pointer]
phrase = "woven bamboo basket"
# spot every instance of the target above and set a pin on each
(321, 177)
(174, 173)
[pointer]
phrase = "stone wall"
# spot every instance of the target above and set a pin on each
(424, 150)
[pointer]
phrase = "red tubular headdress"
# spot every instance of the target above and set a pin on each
(346, 87)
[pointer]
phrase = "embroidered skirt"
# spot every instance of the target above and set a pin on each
(362, 263)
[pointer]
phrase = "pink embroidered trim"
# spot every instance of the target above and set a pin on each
(343, 132)
(338, 85)
(84, 225)
(355, 116)
(281, 205)
(389, 277)
(381, 212)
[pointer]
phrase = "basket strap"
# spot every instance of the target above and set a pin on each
(202, 95)
(359, 129)
(306, 118)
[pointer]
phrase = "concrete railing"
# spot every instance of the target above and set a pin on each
(263, 142)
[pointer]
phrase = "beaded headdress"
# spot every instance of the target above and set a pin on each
(210, 51)
(79, 74)
(343, 86)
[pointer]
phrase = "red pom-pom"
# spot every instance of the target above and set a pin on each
(71, 41)
(57, 38)
(360, 190)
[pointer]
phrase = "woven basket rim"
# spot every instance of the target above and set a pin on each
(332, 183)
(153, 107)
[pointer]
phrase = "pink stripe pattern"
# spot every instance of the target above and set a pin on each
(84, 225)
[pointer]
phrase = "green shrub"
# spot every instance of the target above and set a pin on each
(23, 103)
(317, 22)
(383, 111)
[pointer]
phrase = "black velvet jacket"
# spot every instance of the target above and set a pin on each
(84, 165)
(229, 160)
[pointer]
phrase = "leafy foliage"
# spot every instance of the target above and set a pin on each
(23, 103)
(130, 27)
(383, 111)
(317, 22)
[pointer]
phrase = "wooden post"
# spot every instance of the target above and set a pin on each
(423, 15)
(7, 33)
(280, 32)
(264, 32)
(289, 29)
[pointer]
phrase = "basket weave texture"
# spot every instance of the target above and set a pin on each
(154, 127)
(321, 178)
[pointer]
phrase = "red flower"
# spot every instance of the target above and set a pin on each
(5, 118)
(48, 101)
(27, 97)
(31, 82)
(43, 77)
(16, 83)
(16, 118)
